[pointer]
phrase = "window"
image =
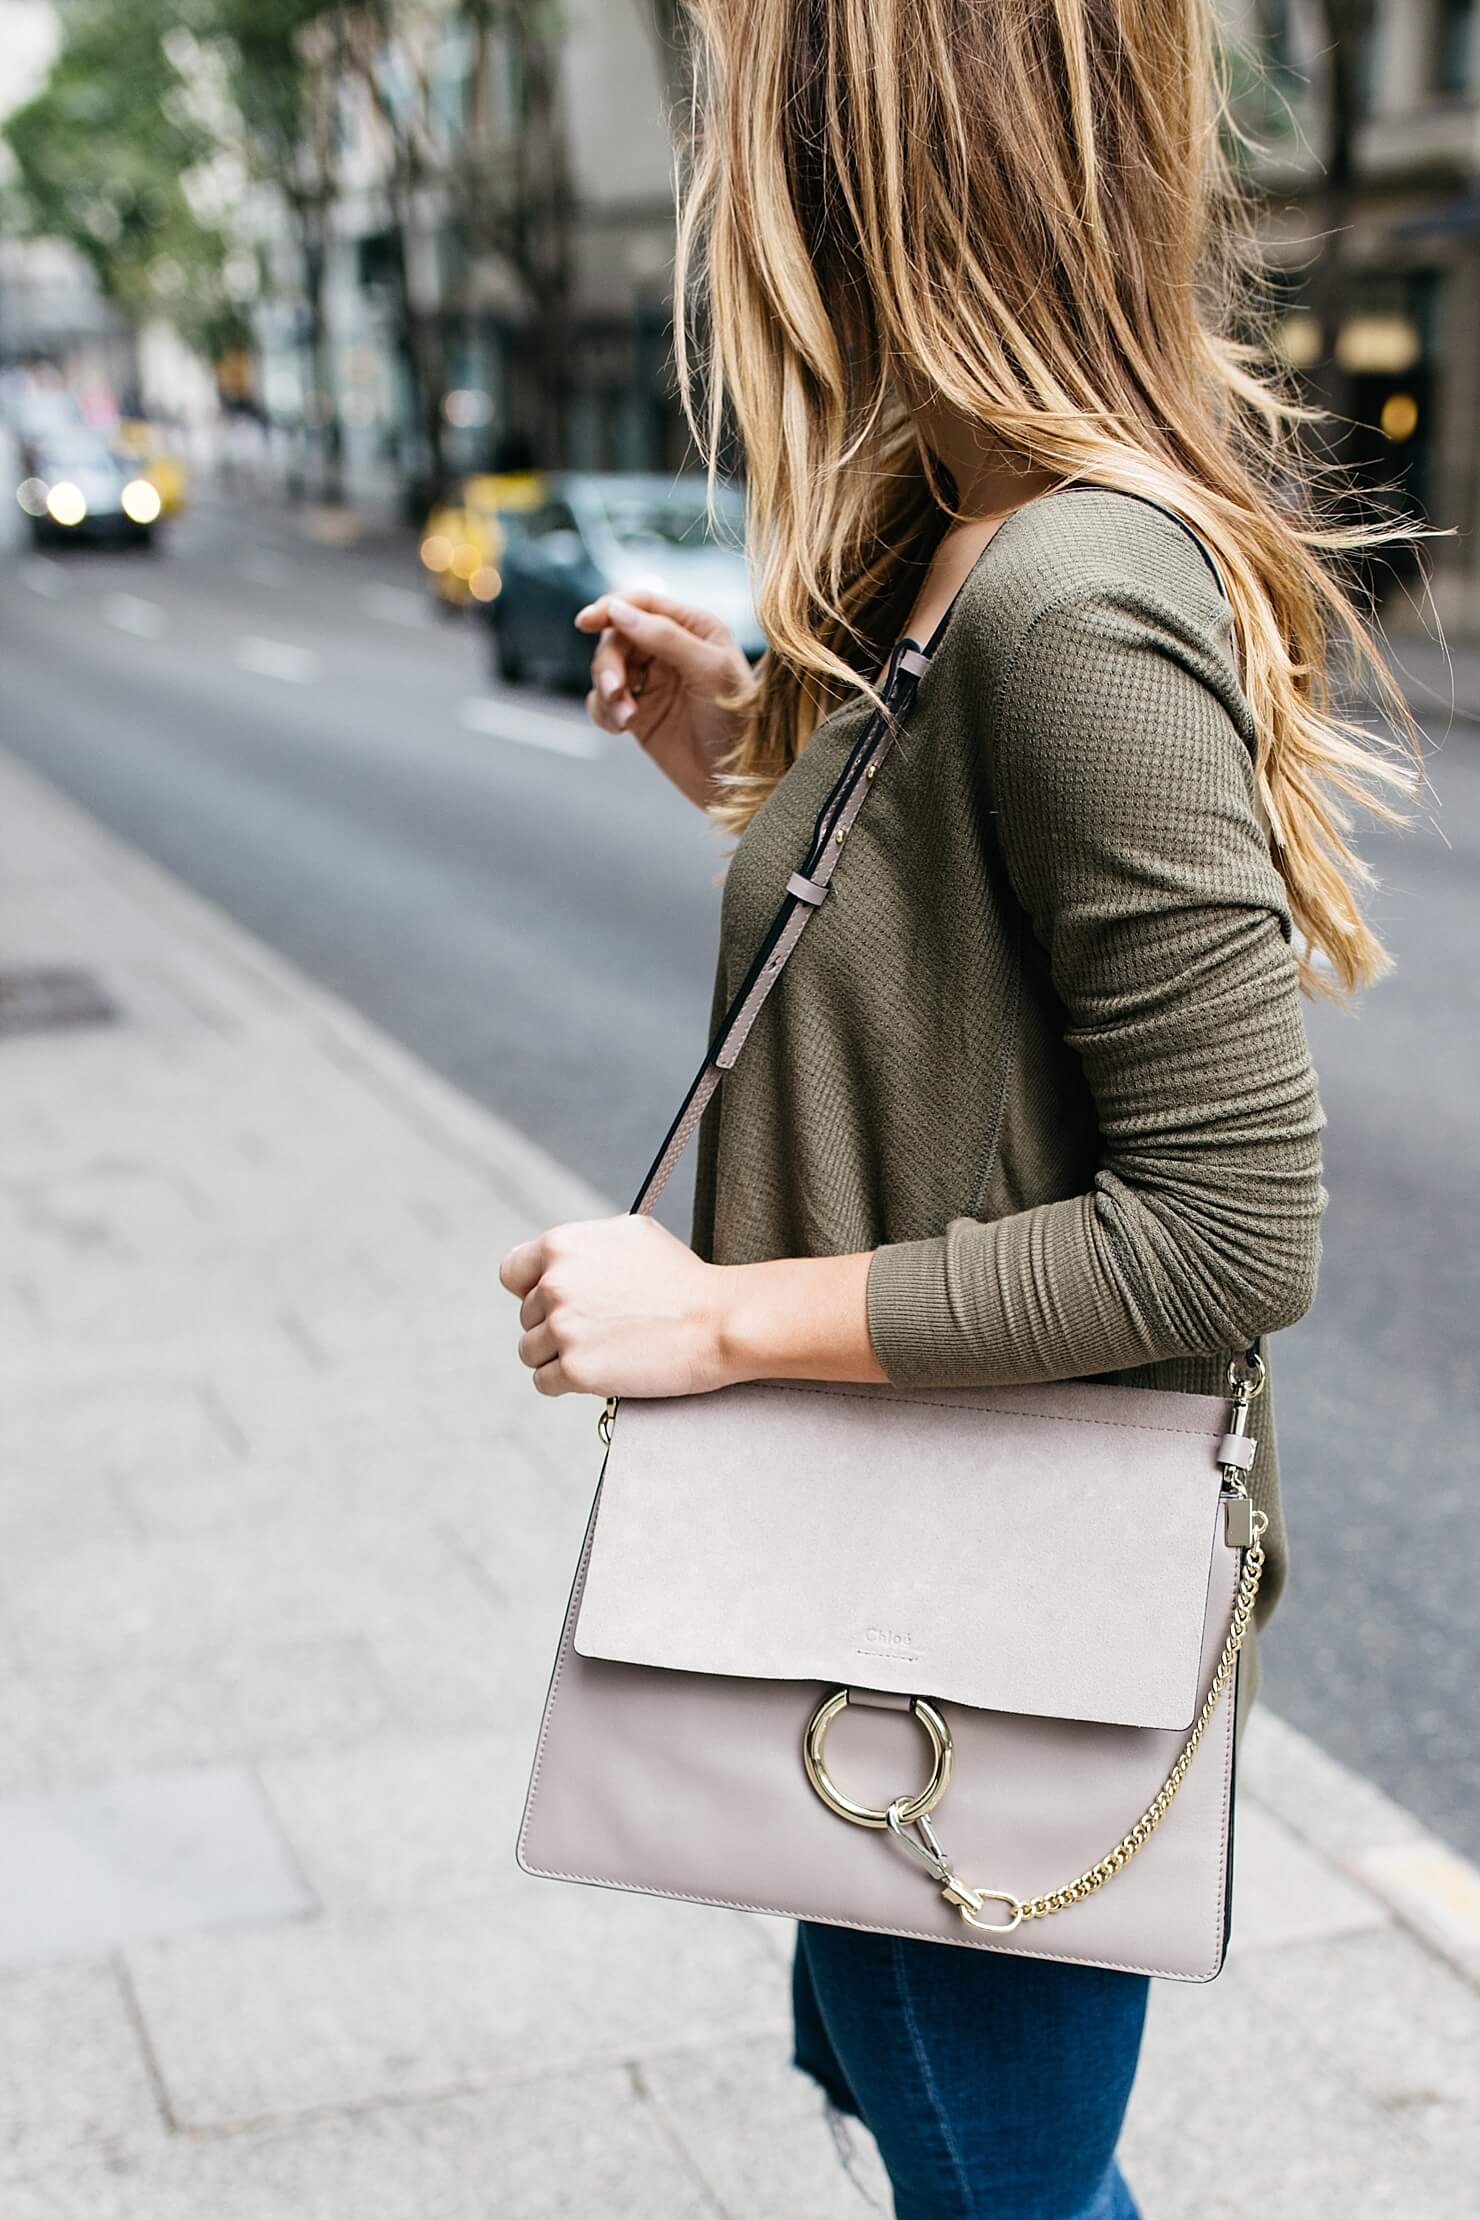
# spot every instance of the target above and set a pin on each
(646, 521)
(1456, 44)
(555, 516)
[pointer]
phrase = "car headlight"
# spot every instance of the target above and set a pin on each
(141, 502)
(485, 583)
(436, 551)
(66, 503)
(31, 494)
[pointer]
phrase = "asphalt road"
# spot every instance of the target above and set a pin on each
(286, 726)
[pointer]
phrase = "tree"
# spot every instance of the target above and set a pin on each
(283, 63)
(103, 156)
(468, 97)
(394, 48)
(521, 204)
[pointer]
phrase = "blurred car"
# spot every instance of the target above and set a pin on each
(147, 446)
(463, 541)
(611, 532)
(75, 486)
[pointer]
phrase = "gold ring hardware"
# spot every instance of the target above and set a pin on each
(604, 1423)
(910, 1808)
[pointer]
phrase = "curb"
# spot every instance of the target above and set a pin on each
(1424, 1885)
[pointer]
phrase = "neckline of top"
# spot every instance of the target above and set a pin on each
(938, 632)
(908, 643)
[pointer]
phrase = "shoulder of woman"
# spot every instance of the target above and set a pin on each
(1102, 594)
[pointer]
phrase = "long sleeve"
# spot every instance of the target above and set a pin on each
(1114, 745)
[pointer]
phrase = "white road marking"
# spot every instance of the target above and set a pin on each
(531, 728)
(130, 613)
(277, 659)
(396, 604)
(264, 567)
(44, 577)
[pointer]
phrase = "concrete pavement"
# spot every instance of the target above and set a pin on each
(286, 1538)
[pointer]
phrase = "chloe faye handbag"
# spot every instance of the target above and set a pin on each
(952, 1664)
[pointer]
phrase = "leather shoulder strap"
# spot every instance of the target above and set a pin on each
(806, 889)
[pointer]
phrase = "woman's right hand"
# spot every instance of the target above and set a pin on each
(659, 673)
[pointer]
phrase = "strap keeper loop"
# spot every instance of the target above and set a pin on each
(805, 889)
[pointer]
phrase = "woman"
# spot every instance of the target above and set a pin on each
(1034, 1101)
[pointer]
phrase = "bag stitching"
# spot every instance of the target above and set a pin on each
(828, 1919)
(917, 1401)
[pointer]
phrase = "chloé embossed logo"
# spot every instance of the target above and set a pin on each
(888, 1641)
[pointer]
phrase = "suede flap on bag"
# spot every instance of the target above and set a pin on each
(734, 1538)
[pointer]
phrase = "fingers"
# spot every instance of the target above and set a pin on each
(610, 702)
(694, 642)
(538, 1347)
(595, 617)
(654, 633)
(522, 1267)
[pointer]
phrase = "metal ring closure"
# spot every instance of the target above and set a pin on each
(908, 1808)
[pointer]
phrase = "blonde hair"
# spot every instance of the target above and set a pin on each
(1027, 207)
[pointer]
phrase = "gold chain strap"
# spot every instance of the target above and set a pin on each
(970, 1902)
(916, 1834)
(1059, 1900)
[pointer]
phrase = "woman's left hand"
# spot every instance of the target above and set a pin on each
(617, 1306)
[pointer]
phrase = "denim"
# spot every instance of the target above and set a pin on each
(994, 2086)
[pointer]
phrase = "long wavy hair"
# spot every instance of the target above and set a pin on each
(1030, 210)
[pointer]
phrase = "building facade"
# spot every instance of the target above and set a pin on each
(596, 243)
(1406, 234)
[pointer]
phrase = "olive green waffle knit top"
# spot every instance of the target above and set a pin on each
(1041, 1049)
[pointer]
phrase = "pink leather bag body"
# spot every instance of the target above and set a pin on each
(951, 1664)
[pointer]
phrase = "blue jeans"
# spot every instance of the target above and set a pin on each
(994, 2086)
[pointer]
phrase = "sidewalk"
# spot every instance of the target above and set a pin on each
(284, 1542)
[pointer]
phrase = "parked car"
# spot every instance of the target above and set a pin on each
(462, 544)
(75, 486)
(609, 532)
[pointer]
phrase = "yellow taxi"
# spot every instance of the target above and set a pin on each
(463, 541)
(164, 469)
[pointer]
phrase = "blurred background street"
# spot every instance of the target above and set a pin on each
(297, 730)
(334, 375)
